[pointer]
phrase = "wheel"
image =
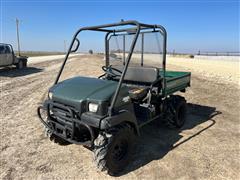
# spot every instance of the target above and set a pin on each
(176, 111)
(181, 111)
(20, 65)
(113, 149)
(24, 64)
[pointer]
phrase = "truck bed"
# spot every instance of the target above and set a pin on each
(176, 81)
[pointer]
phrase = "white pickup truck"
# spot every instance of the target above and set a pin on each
(8, 58)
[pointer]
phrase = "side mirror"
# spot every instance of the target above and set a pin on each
(75, 45)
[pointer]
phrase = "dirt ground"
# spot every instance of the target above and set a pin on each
(207, 147)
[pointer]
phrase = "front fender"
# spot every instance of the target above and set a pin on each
(118, 118)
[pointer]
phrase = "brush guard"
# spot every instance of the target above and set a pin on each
(65, 125)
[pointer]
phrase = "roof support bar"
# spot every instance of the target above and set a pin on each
(138, 26)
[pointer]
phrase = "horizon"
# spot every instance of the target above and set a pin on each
(207, 26)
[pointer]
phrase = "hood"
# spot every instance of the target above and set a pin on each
(79, 89)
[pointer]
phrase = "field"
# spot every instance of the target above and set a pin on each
(207, 147)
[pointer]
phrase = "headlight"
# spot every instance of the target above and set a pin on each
(93, 107)
(50, 95)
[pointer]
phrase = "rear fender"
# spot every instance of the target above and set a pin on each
(18, 59)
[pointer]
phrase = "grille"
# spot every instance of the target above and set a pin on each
(63, 114)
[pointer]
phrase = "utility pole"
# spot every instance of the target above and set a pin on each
(17, 23)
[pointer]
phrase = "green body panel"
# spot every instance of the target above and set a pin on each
(176, 81)
(78, 91)
(84, 88)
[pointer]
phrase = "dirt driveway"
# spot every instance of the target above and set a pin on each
(207, 147)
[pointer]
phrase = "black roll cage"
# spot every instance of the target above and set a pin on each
(138, 27)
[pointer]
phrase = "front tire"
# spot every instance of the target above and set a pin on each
(113, 149)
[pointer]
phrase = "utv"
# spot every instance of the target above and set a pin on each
(106, 113)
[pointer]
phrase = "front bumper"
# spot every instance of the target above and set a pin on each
(64, 124)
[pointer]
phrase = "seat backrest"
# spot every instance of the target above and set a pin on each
(140, 74)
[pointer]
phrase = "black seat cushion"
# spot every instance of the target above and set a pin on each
(140, 74)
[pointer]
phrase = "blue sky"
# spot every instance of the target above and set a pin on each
(191, 25)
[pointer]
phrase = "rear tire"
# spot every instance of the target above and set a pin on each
(113, 149)
(24, 64)
(176, 111)
(181, 111)
(20, 65)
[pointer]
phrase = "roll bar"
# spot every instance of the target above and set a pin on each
(107, 29)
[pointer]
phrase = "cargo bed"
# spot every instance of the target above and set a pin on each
(176, 81)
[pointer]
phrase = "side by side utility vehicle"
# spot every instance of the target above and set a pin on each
(107, 113)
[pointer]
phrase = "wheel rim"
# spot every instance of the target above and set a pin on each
(120, 150)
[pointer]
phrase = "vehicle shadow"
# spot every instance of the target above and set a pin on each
(157, 140)
(14, 72)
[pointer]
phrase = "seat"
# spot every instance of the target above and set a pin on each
(140, 74)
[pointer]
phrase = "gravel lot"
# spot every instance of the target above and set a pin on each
(207, 147)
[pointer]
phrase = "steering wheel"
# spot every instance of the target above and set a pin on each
(109, 70)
